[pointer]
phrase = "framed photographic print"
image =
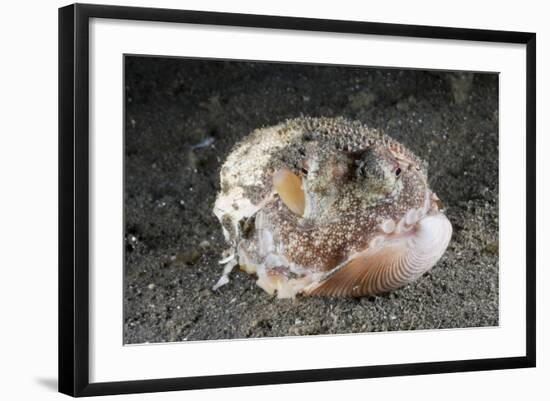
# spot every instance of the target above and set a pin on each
(293, 199)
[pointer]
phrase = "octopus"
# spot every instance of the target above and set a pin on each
(328, 207)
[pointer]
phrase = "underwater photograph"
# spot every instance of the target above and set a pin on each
(270, 199)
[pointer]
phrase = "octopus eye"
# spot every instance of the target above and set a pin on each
(397, 171)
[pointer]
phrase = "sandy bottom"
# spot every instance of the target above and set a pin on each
(182, 118)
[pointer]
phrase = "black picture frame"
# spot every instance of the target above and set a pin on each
(74, 198)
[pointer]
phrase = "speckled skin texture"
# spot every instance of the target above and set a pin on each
(354, 179)
(173, 241)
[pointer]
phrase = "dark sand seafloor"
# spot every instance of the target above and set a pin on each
(173, 241)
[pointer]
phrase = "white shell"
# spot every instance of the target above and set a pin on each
(390, 262)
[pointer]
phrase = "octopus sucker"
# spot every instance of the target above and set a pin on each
(328, 207)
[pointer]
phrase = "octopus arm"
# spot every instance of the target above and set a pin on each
(390, 264)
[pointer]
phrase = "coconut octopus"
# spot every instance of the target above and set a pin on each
(328, 207)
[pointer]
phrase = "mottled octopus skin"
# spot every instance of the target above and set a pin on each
(369, 224)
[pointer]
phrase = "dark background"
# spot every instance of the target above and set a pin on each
(173, 241)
